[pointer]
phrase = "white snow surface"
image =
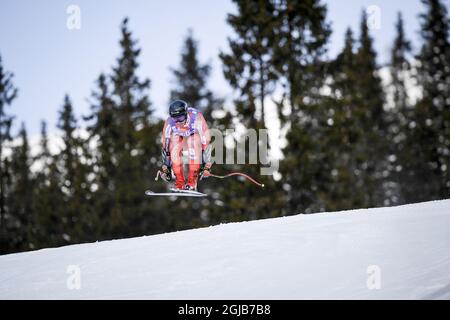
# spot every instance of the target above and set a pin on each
(404, 250)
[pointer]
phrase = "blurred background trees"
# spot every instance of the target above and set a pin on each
(352, 141)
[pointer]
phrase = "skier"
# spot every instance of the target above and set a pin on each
(185, 130)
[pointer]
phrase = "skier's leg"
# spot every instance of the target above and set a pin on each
(195, 156)
(176, 144)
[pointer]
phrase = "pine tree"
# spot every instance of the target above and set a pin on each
(44, 156)
(48, 204)
(342, 188)
(301, 35)
(434, 54)
(103, 131)
(250, 70)
(352, 129)
(249, 67)
(20, 203)
(68, 124)
(371, 151)
(430, 130)
(7, 94)
(191, 79)
(400, 66)
(399, 117)
(126, 156)
(132, 109)
(74, 161)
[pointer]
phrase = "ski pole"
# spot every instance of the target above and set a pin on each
(238, 174)
(160, 174)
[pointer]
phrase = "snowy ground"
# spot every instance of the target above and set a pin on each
(387, 253)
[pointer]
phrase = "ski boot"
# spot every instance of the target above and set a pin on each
(190, 188)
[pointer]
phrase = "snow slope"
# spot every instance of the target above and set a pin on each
(406, 250)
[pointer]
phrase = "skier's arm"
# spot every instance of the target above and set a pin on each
(205, 138)
(165, 142)
(203, 130)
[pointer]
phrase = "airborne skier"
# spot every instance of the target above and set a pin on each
(185, 130)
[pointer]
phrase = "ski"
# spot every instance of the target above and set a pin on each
(177, 193)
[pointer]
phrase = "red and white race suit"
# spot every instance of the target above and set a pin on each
(192, 136)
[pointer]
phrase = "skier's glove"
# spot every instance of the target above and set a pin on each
(206, 170)
(167, 172)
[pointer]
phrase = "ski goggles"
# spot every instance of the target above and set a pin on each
(180, 118)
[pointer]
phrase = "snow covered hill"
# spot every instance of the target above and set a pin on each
(386, 253)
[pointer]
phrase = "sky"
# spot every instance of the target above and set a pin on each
(49, 59)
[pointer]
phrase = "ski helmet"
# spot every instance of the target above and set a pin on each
(178, 109)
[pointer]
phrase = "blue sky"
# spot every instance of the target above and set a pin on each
(49, 60)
